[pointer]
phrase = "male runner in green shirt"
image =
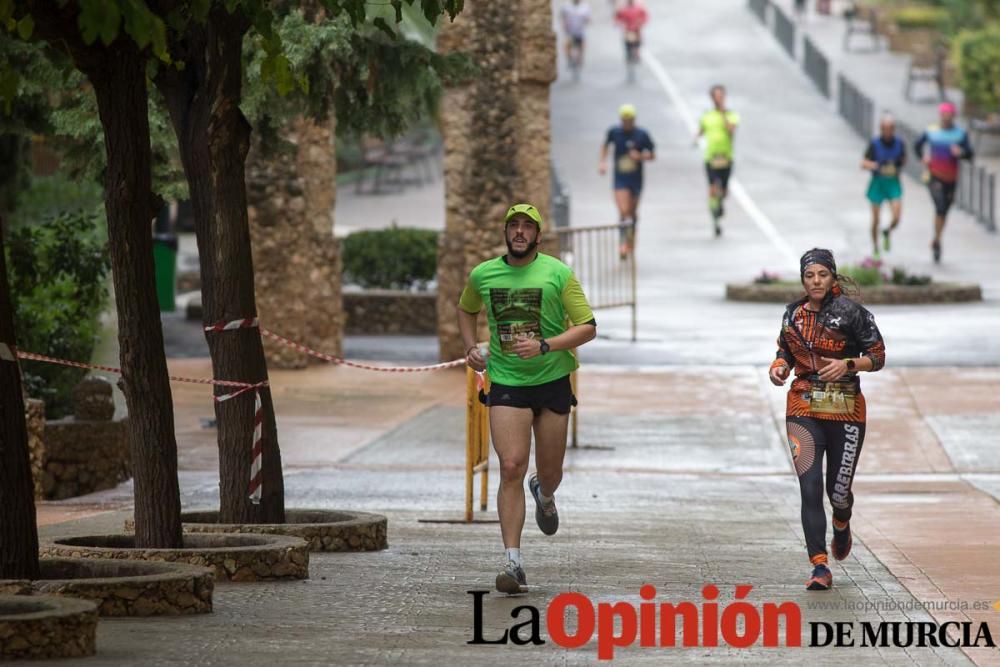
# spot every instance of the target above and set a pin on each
(537, 316)
(718, 127)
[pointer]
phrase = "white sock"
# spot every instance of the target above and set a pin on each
(546, 500)
(514, 556)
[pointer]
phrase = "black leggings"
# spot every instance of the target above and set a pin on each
(809, 439)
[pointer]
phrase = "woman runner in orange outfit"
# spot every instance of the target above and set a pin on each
(827, 339)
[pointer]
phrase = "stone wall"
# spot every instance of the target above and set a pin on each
(81, 457)
(497, 140)
(376, 312)
(34, 415)
(291, 190)
(875, 295)
(80, 454)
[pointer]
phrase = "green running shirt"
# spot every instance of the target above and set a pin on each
(718, 142)
(541, 299)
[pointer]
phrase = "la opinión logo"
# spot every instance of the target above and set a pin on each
(738, 624)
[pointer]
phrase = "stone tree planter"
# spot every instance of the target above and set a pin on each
(234, 557)
(880, 295)
(122, 587)
(46, 627)
(324, 530)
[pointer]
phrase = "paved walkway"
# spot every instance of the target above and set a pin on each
(667, 489)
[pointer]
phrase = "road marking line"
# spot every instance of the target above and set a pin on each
(739, 192)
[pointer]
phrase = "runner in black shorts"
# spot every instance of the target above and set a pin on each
(717, 127)
(537, 316)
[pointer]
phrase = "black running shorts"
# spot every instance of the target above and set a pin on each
(556, 396)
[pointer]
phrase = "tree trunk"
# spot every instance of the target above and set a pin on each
(214, 137)
(118, 74)
(18, 531)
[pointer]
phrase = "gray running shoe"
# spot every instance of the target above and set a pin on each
(547, 516)
(511, 579)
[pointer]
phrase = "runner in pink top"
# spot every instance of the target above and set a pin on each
(632, 16)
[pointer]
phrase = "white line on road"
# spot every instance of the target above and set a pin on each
(739, 192)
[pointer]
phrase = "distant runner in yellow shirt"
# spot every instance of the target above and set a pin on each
(717, 127)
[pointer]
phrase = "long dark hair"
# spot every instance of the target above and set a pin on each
(848, 286)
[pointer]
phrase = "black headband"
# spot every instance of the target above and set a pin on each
(817, 256)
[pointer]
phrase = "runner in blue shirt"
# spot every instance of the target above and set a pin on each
(632, 146)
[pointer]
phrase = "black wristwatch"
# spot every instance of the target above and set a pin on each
(543, 346)
(851, 365)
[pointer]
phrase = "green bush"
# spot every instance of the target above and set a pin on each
(978, 55)
(864, 276)
(394, 258)
(918, 17)
(57, 272)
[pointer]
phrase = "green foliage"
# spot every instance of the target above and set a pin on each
(372, 83)
(864, 276)
(48, 196)
(397, 257)
(978, 55)
(80, 140)
(57, 273)
(901, 277)
(919, 17)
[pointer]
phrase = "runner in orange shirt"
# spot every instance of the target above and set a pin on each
(827, 339)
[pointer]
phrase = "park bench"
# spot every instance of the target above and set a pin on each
(926, 66)
(380, 166)
(861, 21)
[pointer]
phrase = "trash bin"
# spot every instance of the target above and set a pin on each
(165, 259)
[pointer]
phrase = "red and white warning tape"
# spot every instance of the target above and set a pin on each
(353, 364)
(8, 353)
(256, 486)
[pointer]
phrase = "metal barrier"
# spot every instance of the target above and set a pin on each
(608, 279)
(856, 107)
(759, 7)
(477, 440)
(784, 30)
(559, 207)
(977, 194)
(817, 67)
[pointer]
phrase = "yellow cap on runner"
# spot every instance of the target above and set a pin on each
(626, 111)
(528, 210)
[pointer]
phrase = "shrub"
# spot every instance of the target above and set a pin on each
(901, 277)
(919, 18)
(58, 272)
(398, 257)
(978, 55)
(866, 274)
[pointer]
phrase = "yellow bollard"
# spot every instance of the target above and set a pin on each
(484, 446)
(471, 437)
(477, 443)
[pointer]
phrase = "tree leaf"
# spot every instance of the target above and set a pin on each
(382, 25)
(25, 27)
